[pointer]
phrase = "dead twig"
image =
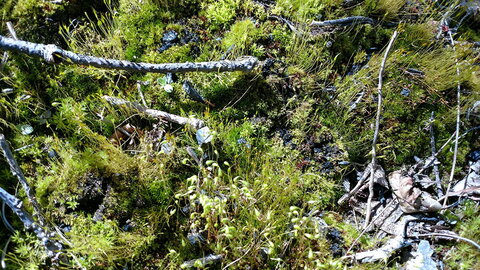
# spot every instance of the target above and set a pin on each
(457, 128)
(196, 123)
(53, 54)
(377, 127)
(436, 172)
(344, 21)
(450, 236)
(53, 247)
(16, 171)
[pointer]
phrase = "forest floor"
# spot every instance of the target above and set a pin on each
(267, 167)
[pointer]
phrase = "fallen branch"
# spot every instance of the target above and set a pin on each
(53, 54)
(43, 235)
(5, 54)
(385, 251)
(16, 171)
(457, 128)
(366, 173)
(344, 21)
(377, 127)
(450, 236)
(209, 259)
(436, 171)
(196, 123)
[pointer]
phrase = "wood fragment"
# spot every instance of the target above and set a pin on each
(196, 123)
(377, 127)
(53, 54)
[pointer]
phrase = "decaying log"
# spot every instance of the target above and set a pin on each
(344, 21)
(53, 54)
(196, 123)
(16, 171)
(53, 247)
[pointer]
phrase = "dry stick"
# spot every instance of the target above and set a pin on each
(430, 160)
(457, 129)
(16, 171)
(344, 21)
(196, 123)
(43, 235)
(377, 127)
(436, 172)
(5, 54)
(52, 53)
(451, 236)
(370, 224)
(354, 191)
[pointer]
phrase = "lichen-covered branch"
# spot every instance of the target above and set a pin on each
(196, 123)
(53, 54)
(16, 171)
(15, 204)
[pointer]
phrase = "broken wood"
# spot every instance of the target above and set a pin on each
(377, 127)
(196, 123)
(54, 54)
(16, 171)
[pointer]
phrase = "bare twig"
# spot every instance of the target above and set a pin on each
(52, 53)
(196, 123)
(5, 54)
(16, 171)
(377, 127)
(450, 236)
(457, 128)
(344, 21)
(368, 170)
(436, 172)
(369, 225)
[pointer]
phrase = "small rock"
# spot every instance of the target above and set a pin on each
(474, 155)
(405, 92)
(204, 135)
(26, 129)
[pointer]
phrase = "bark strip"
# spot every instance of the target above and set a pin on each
(53, 54)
